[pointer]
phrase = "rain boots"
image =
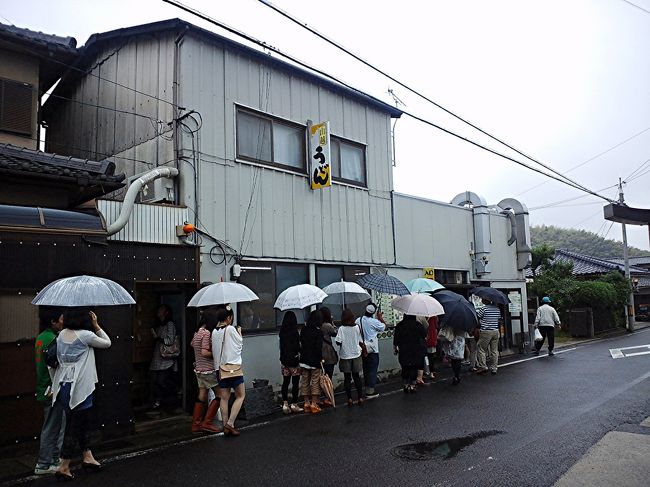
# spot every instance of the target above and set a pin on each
(207, 424)
(197, 417)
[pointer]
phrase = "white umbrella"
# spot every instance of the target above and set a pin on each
(221, 293)
(299, 297)
(83, 291)
(345, 293)
(418, 304)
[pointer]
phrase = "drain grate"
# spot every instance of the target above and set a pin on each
(444, 449)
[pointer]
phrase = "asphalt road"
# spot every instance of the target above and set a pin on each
(523, 427)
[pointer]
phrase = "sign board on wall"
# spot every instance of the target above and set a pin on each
(429, 273)
(320, 168)
(515, 303)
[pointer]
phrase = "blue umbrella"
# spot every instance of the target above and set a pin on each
(459, 313)
(383, 283)
(491, 294)
(422, 285)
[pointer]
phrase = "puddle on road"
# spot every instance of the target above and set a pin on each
(439, 449)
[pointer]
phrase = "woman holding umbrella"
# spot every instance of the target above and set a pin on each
(74, 382)
(410, 346)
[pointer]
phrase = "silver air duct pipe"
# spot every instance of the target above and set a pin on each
(132, 193)
(482, 245)
(520, 229)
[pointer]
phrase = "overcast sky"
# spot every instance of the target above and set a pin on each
(562, 81)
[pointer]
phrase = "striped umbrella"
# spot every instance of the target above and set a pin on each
(383, 283)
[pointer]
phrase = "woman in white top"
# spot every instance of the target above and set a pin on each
(74, 382)
(227, 345)
(349, 339)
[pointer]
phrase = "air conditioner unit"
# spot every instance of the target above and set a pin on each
(161, 189)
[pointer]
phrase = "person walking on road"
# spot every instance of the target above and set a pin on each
(488, 342)
(370, 327)
(74, 382)
(409, 344)
(290, 362)
(546, 321)
(227, 344)
(348, 338)
(311, 356)
(51, 320)
(206, 375)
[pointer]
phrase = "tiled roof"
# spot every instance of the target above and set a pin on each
(48, 40)
(586, 264)
(27, 162)
(643, 260)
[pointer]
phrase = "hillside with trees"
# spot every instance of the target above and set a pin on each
(580, 241)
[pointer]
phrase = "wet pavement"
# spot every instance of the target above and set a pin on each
(526, 426)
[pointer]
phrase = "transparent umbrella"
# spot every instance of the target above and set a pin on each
(299, 297)
(345, 293)
(221, 293)
(418, 304)
(83, 291)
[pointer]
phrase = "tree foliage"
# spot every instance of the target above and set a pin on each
(541, 257)
(580, 241)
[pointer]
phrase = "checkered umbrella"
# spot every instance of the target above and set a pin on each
(383, 283)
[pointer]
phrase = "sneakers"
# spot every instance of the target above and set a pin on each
(550, 353)
(372, 396)
(286, 409)
(493, 372)
(43, 470)
(295, 409)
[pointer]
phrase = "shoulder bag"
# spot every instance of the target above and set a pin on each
(228, 371)
(49, 355)
(362, 343)
(171, 344)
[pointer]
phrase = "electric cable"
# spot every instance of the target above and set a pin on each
(331, 77)
(419, 94)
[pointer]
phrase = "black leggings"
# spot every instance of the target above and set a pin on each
(409, 374)
(295, 381)
(455, 366)
(347, 382)
(77, 433)
(432, 361)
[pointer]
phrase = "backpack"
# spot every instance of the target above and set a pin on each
(49, 355)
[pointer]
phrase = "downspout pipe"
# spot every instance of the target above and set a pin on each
(132, 193)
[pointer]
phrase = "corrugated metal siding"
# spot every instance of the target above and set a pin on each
(148, 223)
(286, 219)
(503, 257)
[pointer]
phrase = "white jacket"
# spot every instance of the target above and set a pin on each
(546, 316)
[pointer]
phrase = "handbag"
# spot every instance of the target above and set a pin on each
(170, 347)
(447, 333)
(538, 335)
(362, 343)
(228, 371)
(49, 355)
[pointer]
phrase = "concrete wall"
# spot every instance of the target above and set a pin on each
(20, 67)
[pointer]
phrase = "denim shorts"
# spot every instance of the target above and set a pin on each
(231, 383)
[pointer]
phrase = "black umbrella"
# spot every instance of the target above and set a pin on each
(459, 313)
(491, 294)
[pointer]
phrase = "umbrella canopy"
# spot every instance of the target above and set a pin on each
(491, 294)
(299, 297)
(345, 293)
(383, 283)
(221, 293)
(83, 291)
(422, 285)
(459, 313)
(418, 304)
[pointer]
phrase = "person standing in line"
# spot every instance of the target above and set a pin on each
(546, 320)
(409, 344)
(471, 348)
(227, 345)
(51, 321)
(488, 342)
(432, 344)
(206, 375)
(455, 350)
(425, 323)
(290, 362)
(348, 339)
(311, 356)
(370, 327)
(162, 369)
(330, 357)
(74, 382)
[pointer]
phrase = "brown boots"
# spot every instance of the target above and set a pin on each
(207, 424)
(198, 415)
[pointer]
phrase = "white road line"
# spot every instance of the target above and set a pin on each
(537, 357)
(619, 352)
(616, 353)
(638, 353)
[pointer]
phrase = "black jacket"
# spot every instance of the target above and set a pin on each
(311, 346)
(290, 348)
(410, 338)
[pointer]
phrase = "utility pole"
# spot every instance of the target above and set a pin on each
(629, 309)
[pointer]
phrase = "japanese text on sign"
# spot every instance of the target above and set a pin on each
(320, 169)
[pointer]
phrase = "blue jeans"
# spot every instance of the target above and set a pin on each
(51, 435)
(370, 367)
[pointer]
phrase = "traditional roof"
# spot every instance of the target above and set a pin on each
(636, 261)
(96, 40)
(50, 41)
(587, 265)
(83, 178)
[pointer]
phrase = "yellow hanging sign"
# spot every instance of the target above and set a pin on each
(429, 273)
(320, 168)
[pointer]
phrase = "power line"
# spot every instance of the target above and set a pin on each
(637, 6)
(637, 170)
(567, 200)
(329, 76)
(589, 160)
(419, 94)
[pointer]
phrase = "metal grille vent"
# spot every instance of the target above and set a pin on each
(15, 107)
